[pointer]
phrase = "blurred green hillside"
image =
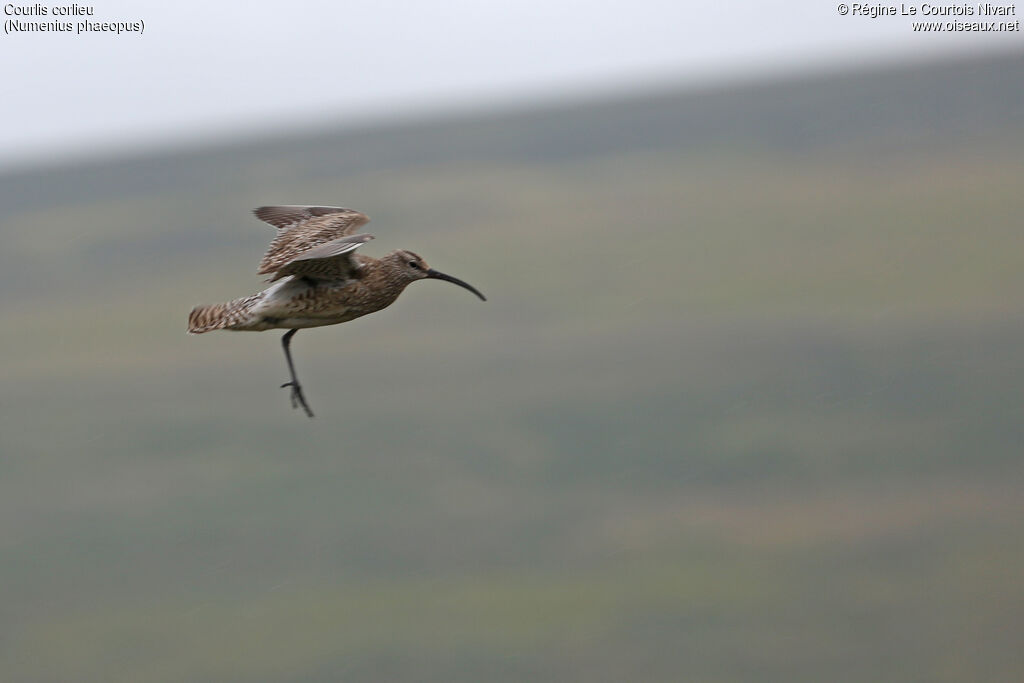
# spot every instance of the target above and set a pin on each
(744, 404)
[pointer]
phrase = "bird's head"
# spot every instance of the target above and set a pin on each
(411, 267)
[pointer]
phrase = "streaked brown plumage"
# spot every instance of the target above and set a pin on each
(319, 279)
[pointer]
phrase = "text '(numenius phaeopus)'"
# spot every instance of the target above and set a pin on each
(72, 19)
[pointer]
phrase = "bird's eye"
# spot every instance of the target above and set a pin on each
(413, 264)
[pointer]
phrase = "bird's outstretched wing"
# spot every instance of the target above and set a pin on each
(302, 228)
(329, 261)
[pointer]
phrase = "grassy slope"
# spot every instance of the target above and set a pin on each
(746, 411)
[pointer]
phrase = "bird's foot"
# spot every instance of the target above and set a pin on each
(297, 398)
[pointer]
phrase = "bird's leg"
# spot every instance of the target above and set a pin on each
(297, 398)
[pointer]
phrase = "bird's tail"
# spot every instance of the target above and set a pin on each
(220, 316)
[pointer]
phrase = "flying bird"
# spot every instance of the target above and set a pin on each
(318, 279)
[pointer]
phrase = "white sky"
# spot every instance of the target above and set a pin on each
(231, 67)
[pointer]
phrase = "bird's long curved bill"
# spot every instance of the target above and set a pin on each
(437, 275)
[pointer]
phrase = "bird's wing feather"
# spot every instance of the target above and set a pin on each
(285, 216)
(301, 228)
(330, 261)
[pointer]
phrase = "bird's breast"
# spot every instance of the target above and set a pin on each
(298, 303)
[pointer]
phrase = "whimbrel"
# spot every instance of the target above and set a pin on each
(319, 279)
